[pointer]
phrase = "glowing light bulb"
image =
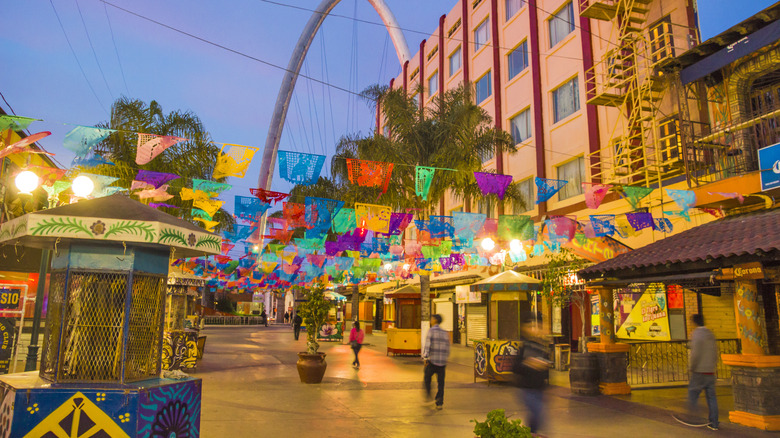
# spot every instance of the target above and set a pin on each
(406, 266)
(26, 182)
(488, 244)
(388, 267)
(82, 186)
(515, 246)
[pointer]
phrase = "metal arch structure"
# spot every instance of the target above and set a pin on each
(294, 68)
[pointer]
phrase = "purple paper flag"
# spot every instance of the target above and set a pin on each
(493, 183)
(156, 179)
(640, 221)
(161, 204)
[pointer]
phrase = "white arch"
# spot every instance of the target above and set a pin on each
(294, 68)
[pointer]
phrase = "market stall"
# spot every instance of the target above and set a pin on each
(508, 294)
(404, 336)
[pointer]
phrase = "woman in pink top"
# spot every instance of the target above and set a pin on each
(356, 341)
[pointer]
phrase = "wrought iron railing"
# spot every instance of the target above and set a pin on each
(233, 320)
(658, 363)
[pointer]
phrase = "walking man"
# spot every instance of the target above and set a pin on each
(297, 321)
(532, 369)
(435, 354)
(702, 363)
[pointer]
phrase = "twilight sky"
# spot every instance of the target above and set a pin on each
(233, 95)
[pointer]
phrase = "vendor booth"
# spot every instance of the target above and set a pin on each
(508, 293)
(182, 347)
(404, 336)
(101, 362)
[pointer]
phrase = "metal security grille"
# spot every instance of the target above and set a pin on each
(658, 363)
(91, 344)
(53, 321)
(143, 346)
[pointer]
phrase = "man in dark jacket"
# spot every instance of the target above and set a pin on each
(297, 321)
(702, 363)
(532, 368)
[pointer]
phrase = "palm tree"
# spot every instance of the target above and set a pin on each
(194, 158)
(452, 133)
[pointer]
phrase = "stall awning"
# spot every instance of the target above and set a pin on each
(736, 239)
(507, 281)
(333, 296)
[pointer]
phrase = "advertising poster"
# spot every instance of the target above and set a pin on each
(7, 337)
(595, 325)
(644, 313)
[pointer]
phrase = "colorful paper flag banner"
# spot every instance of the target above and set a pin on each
(186, 194)
(717, 212)
(399, 222)
(151, 145)
(441, 227)
(344, 220)
(467, 225)
(546, 188)
(603, 224)
(48, 175)
(15, 123)
(239, 232)
(422, 181)
(83, 138)
(730, 195)
(159, 194)
(595, 193)
(514, 227)
(685, 199)
(233, 162)
(373, 217)
(561, 228)
(682, 214)
(101, 183)
(640, 221)
(208, 225)
(295, 213)
(635, 194)
(210, 206)
(22, 145)
(493, 183)
(268, 196)
(664, 225)
(369, 173)
(94, 161)
(156, 179)
(54, 191)
(320, 212)
(213, 188)
(248, 208)
(300, 168)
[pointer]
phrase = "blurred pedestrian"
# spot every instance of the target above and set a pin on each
(356, 342)
(286, 317)
(532, 368)
(702, 363)
(265, 317)
(435, 354)
(297, 321)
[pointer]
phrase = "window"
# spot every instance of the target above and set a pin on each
(574, 173)
(481, 35)
(566, 100)
(433, 83)
(487, 156)
(561, 24)
(512, 7)
(416, 99)
(521, 126)
(669, 139)
(484, 88)
(455, 61)
(386, 130)
(527, 192)
(518, 59)
(661, 40)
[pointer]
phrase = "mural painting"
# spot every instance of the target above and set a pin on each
(170, 411)
(180, 350)
(643, 313)
(331, 332)
(494, 359)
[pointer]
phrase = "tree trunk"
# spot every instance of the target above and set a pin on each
(355, 303)
(425, 307)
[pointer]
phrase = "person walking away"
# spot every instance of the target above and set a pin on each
(702, 363)
(286, 317)
(435, 354)
(532, 369)
(297, 321)
(265, 317)
(356, 342)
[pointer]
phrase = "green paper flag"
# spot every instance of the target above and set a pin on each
(344, 221)
(514, 227)
(16, 123)
(423, 179)
(635, 194)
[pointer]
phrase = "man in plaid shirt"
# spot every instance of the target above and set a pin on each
(435, 354)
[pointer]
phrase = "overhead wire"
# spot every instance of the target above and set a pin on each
(116, 50)
(83, 73)
(94, 53)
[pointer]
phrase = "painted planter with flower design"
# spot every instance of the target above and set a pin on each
(311, 367)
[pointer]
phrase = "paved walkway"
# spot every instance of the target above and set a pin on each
(251, 389)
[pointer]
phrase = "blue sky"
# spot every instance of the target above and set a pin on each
(233, 95)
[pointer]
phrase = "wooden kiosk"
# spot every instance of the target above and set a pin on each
(404, 336)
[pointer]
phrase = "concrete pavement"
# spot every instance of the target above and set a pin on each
(251, 389)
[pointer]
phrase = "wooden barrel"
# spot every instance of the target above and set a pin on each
(584, 373)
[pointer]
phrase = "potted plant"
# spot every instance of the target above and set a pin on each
(314, 311)
(558, 288)
(498, 426)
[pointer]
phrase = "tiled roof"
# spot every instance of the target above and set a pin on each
(745, 234)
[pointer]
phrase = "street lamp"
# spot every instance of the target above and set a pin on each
(82, 186)
(26, 181)
(488, 244)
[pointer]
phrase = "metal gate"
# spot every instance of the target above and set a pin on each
(476, 322)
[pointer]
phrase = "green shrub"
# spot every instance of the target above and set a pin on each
(497, 426)
(314, 312)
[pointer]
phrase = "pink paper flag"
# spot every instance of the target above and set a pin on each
(595, 193)
(150, 146)
(21, 145)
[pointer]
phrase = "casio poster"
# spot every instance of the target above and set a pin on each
(769, 163)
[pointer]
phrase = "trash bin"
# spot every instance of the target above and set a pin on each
(562, 352)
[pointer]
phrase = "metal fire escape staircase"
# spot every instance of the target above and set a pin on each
(625, 79)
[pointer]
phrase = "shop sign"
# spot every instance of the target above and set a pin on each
(597, 250)
(595, 323)
(10, 297)
(769, 162)
(7, 336)
(643, 313)
(749, 271)
(464, 295)
(556, 320)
